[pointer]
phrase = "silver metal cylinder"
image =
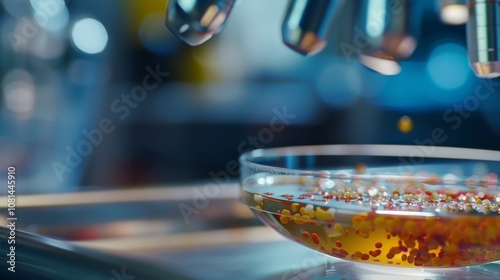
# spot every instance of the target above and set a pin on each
(483, 37)
(389, 26)
(308, 24)
(196, 21)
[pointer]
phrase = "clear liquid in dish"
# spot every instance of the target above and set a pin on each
(403, 223)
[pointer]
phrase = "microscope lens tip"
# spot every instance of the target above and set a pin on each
(486, 70)
(195, 22)
(308, 44)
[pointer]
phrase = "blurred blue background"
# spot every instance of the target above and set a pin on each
(66, 67)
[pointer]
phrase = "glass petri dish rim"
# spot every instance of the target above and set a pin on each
(381, 150)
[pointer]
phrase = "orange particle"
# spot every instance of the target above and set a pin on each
(403, 257)
(283, 220)
(346, 232)
(360, 168)
(376, 253)
(297, 219)
(306, 218)
(358, 254)
(410, 243)
(395, 250)
(357, 220)
(305, 234)
(344, 252)
(315, 238)
(389, 255)
(434, 180)
(425, 255)
(338, 243)
(405, 124)
(378, 245)
(388, 236)
(411, 259)
(365, 257)
(338, 227)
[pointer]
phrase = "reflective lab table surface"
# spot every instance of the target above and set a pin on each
(142, 233)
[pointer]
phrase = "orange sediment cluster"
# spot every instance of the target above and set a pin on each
(404, 241)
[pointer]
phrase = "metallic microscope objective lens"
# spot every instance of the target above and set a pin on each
(196, 21)
(483, 38)
(308, 24)
(389, 27)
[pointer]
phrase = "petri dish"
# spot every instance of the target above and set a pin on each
(406, 206)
